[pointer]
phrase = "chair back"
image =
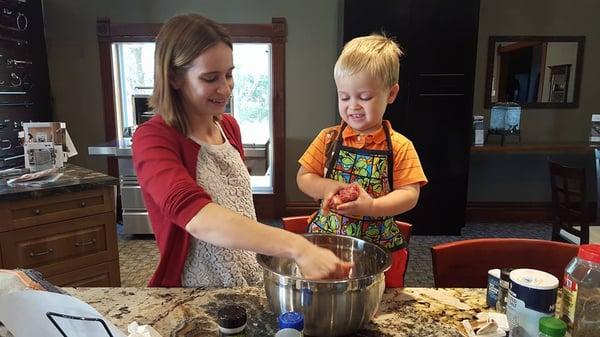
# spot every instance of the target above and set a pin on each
(296, 224)
(465, 264)
(569, 204)
(299, 225)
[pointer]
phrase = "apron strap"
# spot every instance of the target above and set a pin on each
(333, 156)
(390, 161)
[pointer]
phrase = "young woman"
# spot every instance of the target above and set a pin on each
(190, 164)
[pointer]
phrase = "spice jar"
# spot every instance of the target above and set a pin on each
(552, 327)
(581, 293)
(503, 290)
(232, 321)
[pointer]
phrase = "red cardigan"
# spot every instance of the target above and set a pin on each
(165, 164)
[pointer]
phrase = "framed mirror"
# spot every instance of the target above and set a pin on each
(534, 71)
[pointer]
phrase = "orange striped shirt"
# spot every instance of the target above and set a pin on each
(407, 167)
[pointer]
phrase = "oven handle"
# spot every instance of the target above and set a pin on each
(129, 181)
(130, 185)
(134, 213)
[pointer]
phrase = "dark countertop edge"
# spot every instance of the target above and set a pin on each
(58, 189)
(75, 184)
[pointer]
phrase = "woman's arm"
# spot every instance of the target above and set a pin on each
(223, 227)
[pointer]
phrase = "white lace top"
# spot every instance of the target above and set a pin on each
(223, 175)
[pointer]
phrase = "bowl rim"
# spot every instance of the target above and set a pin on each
(388, 262)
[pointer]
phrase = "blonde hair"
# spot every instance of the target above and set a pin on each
(180, 40)
(377, 55)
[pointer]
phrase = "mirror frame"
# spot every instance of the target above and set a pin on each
(536, 105)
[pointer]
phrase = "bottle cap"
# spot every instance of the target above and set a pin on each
(590, 252)
(291, 319)
(231, 316)
(552, 327)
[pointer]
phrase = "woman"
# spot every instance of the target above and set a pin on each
(189, 162)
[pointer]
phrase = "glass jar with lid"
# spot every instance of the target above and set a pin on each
(581, 293)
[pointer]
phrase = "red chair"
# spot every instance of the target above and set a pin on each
(464, 264)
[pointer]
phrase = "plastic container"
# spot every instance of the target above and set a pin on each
(552, 327)
(493, 286)
(503, 290)
(293, 321)
(581, 293)
(288, 332)
(232, 321)
(532, 296)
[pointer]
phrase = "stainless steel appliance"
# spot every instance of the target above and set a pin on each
(135, 215)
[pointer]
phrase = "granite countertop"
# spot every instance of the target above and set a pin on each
(74, 178)
(192, 312)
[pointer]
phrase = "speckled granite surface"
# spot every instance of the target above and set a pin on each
(413, 312)
(74, 178)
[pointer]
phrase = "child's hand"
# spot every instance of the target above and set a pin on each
(329, 192)
(363, 205)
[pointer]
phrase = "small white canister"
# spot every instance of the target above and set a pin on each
(493, 286)
(532, 295)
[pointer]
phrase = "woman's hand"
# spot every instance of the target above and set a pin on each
(318, 263)
(363, 205)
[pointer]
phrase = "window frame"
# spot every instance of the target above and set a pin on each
(267, 205)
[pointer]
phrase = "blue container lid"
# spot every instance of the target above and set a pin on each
(292, 320)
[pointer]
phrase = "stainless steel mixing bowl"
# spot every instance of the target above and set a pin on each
(330, 307)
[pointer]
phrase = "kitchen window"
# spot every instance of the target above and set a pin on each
(250, 104)
(127, 54)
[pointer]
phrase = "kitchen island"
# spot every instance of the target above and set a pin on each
(192, 312)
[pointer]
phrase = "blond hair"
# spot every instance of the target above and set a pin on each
(180, 40)
(377, 55)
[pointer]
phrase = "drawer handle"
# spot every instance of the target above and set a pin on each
(83, 204)
(49, 251)
(86, 243)
(36, 211)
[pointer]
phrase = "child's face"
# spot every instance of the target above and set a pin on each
(362, 101)
(205, 87)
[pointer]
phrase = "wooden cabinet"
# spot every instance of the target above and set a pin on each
(70, 237)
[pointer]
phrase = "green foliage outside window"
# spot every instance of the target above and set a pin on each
(251, 97)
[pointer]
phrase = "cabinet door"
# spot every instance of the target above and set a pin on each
(101, 275)
(62, 246)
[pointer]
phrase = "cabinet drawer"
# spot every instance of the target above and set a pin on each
(102, 275)
(62, 246)
(32, 212)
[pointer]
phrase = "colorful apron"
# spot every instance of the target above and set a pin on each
(373, 171)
